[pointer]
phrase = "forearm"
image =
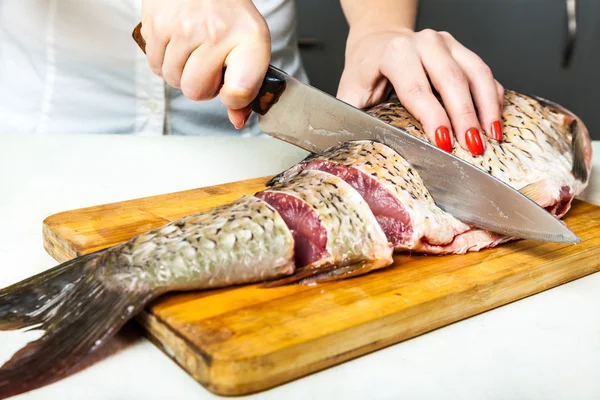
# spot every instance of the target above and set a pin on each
(380, 13)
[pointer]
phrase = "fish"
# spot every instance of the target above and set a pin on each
(335, 215)
(545, 153)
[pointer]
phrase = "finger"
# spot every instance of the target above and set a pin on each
(175, 58)
(500, 90)
(247, 66)
(405, 71)
(452, 84)
(483, 88)
(155, 50)
(239, 117)
(202, 73)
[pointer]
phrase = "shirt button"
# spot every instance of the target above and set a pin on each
(152, 105)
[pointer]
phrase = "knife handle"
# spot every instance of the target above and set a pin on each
(271, 89)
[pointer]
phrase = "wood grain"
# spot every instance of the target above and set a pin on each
(245, 339)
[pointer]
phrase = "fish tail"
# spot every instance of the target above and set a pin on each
(77, 310)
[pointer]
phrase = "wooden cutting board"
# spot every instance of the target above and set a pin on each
(245, 339)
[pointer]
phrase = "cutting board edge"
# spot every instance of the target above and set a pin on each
(219, 376)
(49, 220)
(60, 249)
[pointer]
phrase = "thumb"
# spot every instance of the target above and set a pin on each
(349, 89)
(247, 65)
(359, 92)
(239, 117)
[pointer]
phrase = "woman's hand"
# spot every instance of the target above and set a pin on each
(410, 61)
(188, 42)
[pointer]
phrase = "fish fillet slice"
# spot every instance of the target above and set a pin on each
(331, 223)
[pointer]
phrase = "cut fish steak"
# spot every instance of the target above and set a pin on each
(331, 223)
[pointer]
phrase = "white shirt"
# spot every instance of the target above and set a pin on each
(72, 66)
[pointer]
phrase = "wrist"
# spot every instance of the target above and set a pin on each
(365, 29)
(380, 15)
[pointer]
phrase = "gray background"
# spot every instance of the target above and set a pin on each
(521, 40)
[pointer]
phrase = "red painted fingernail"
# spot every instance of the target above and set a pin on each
(442, 139)
(496, 130)
(474, 142)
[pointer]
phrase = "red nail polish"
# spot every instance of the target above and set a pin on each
(496, 130)
(442, 139)
(474, 142)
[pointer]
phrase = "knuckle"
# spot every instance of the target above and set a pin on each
(466, 111)
(455, 75)
(209, 31)
(485, 71)
(446, 35)
(215, 30)
(257, 29)
(417, 88)
(188, 29)
(430, 35)
(156, 27)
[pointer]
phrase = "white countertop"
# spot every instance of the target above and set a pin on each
(546, 346)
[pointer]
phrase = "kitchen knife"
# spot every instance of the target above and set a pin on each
(315, 121)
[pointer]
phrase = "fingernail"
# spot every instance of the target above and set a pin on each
(232, 123)
(442, 139)
(242, 124)
(496, 130)
(245, 120)
(474, 143)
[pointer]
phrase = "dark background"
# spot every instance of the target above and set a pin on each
(521, 40)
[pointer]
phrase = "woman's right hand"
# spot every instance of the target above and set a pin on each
(188, 42)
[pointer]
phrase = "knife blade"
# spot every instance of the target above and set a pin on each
(315, 121)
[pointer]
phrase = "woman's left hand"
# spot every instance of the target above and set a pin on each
(410, 60)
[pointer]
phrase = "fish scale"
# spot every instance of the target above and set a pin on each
(241, 241)
(536, 143)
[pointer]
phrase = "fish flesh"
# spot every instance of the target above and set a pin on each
(332, 216)
(331, 223)
(545, 153)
